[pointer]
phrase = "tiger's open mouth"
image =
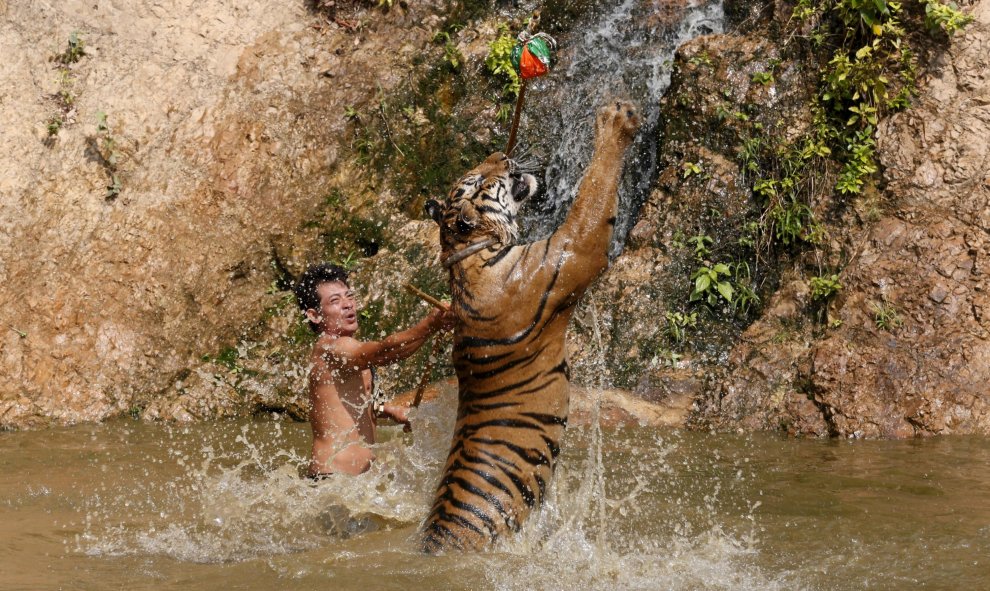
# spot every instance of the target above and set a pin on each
(523, 186)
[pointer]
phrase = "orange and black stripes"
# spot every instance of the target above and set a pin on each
(513, 303)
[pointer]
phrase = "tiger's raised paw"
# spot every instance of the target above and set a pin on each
(617, 121)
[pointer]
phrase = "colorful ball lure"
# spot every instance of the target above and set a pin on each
(532, 55)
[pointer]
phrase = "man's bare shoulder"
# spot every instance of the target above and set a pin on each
(333, 351)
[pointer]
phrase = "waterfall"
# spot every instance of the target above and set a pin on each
(624, 51)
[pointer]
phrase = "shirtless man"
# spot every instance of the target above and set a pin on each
(341, 406)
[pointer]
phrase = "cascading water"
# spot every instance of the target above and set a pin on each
(621, 52)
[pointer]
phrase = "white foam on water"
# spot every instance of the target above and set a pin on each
(247, 501)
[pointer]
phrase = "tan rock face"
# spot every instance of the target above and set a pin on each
(226, 122)
(929, 260)
(911, 353)
(904, 349)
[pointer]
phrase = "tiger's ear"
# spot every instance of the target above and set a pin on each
(434, 210)
(467, 219)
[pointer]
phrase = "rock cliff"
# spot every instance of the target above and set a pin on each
(151, 178)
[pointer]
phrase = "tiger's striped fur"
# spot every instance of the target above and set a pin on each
(513, 303)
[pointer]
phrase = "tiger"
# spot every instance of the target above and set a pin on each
(512, 303)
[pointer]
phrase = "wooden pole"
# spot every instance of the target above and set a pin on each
(437, 344)
(515, 118)
(425, 296)
(434, 352)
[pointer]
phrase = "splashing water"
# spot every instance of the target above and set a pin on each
(621, 523)
(223, 503)
(240, 500)
(236, 500)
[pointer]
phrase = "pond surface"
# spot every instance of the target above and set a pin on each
(221, 505)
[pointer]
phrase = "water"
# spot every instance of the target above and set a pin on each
(221, 505)
(152, 506)
(624, 50)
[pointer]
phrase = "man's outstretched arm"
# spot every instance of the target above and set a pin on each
(357, 355)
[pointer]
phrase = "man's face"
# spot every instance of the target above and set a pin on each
(338, 309)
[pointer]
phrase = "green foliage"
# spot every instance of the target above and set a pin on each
(113, 189)
(691, 168)
(106, 146)
(792, 221)
(678, 323)
(107, 143)
(504, 113)
(452, 56)
(860, 162)
(745, 296)
(764, 78)
(64, 99)
(824, 287)
(946, 17)
(712, 284)
(348, 262)
(54, 124)
(701, 243)
(702, 59)
(74, 51)
(750, 152)
(750, 235)
(885, 315)
(499, 61)
(671, 358)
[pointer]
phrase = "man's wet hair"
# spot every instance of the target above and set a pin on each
(305, 287)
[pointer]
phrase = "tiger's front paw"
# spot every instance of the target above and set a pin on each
(617, 122)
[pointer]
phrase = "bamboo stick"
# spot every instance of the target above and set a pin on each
(425, 296)
(427, 369)
(515, 118)
(434, 350)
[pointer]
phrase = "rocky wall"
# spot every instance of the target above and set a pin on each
(128, 251)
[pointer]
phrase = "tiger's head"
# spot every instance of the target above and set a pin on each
(483, 204)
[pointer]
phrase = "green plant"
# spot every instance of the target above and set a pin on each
(745, 297)
(678, 323)
(351, 113)
(824, 287)
(792, 221)
(764, 78)
(885, 315)
(504, 113)
(701, 243)
(750, 234)
(691, 168)
(860, 162)
(113, 189)
(499, 61)
(106, 146)
(749, 153)
(54, 124)
(712, 283)
(74, 51)
(946, 17)
(671, 358)
(702, 59)
(348, 262)
(452, 56)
